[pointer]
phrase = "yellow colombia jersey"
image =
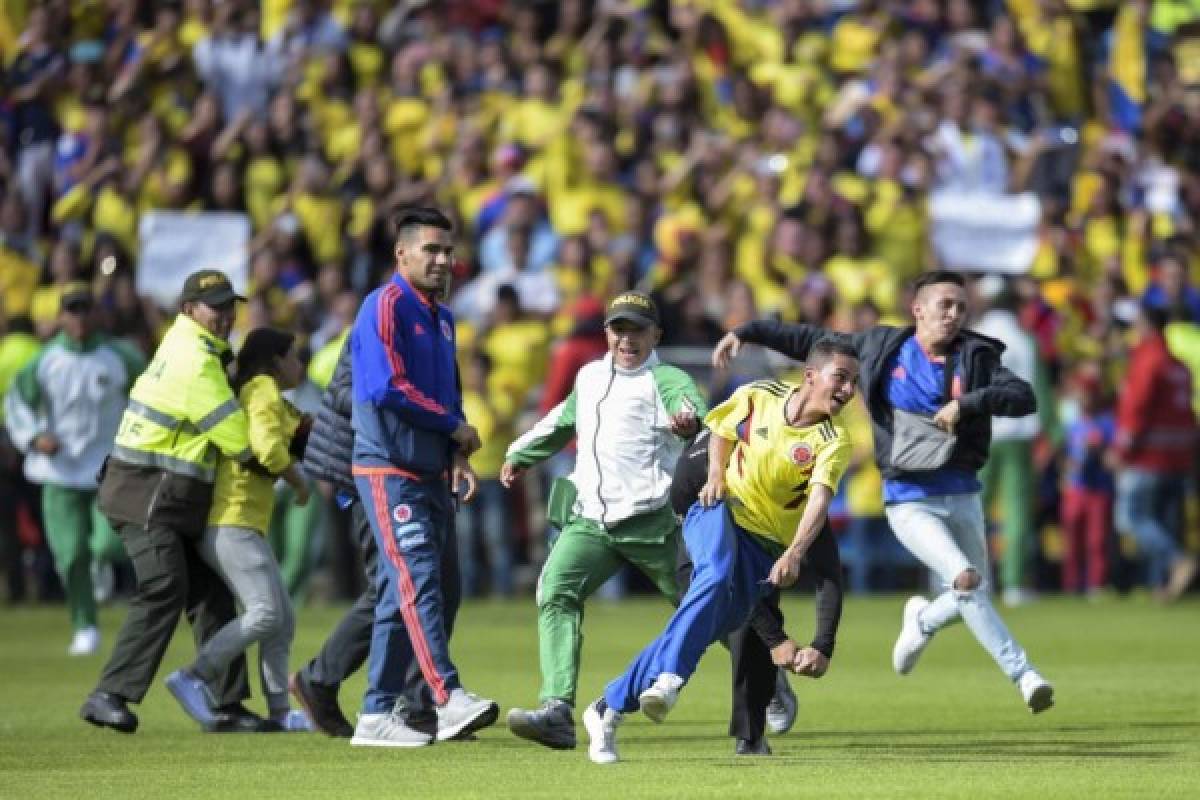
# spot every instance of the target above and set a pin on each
(773, 463)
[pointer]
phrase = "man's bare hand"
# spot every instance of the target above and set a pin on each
(685, 424)
(726, 350)
(463, 473)
(510, 473)
(786, 570)
(46, 444)
(785, 654)
(467, 438)
(810, 662)
(713, 491)
(947, 417)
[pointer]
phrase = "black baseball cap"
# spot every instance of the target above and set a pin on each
(209, 286)
(635, 307)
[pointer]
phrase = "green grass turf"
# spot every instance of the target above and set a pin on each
(1127, 722)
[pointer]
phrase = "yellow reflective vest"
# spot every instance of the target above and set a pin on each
(182, 411)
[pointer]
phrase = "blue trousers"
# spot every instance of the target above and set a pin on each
(730, 569)
(417, 585)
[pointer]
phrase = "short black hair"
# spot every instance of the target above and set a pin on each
(824, 350)
(409, 219)
(1156, 317)
(938, 276)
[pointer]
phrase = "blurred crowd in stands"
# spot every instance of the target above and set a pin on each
(739, 158)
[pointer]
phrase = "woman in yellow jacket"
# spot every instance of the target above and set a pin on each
(234, 541)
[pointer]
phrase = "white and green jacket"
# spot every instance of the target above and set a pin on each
(77, 392)
(626, 451)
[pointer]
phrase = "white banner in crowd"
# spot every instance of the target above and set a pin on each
(173, 244)
(985, 232)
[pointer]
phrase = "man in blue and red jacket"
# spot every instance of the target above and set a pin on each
(411, 443)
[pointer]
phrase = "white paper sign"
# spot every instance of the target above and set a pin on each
(174, 244)
(985, 232)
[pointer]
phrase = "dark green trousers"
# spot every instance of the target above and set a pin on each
(171, 578)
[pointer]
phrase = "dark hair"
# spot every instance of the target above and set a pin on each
(938, 276)
(824, 350)
(1155, 316)
(408, 219)
(258, 354)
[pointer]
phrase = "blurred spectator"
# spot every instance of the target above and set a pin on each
(235, 62)
(1009, 473)
(18, 346)
(1087, 502)
(485, 526)
(1156, 437)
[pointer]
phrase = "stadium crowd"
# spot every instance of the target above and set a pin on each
(738, 158)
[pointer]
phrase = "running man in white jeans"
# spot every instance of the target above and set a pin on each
(932, 390)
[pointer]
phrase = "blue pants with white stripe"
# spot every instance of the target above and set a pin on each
(729, 578)
(418, 589)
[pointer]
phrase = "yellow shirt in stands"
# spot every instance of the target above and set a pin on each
(773, 463)
(321, 220)
(495, 431)
(265, 180)
(18, 279)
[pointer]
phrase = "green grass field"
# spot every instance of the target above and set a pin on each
(1127, 721)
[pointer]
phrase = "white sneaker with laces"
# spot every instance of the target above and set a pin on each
(781, 711)
(911, 640)
(1037, 691)
(464, 713)
(85, 642)
(602, 734)
(387, 730)
(657, 701)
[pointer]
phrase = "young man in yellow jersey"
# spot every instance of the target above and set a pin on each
(776, 455)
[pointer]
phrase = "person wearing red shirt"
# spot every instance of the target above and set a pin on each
(1156, 434)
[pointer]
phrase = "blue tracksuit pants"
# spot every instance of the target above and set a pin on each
(729, 577)
(418, 587)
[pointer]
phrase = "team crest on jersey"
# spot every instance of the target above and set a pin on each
(402, 513)
(899, 373)
(447, 331)
(801, 454)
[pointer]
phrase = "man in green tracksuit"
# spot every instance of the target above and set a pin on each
(633, 416)
(63, 412)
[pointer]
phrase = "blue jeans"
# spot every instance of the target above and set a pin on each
(487, 518)
(730, 569)
(417, 585)
(1150, 508)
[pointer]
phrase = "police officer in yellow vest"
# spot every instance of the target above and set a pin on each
(156, 489)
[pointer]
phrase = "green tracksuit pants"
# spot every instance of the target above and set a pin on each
(584, 556)
(77, 533)
(1009, 471)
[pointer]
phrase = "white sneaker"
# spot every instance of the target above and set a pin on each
(781, 711)
(1016, 596)
(464, 713)
(1037, 691)
(911, 641)
(387, 730)
(602, 734)
(104, 582)
(85, 642)
(657, 701)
